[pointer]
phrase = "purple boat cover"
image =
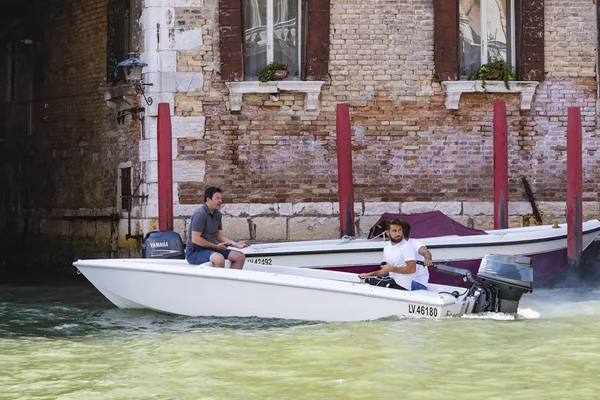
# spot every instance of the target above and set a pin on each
(426, 225)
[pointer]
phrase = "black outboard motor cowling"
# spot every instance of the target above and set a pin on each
(163, 244)
(509, 276)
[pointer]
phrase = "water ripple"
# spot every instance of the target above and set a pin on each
(80, 310)
(70, 343)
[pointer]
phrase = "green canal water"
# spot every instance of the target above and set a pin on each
(68, 342)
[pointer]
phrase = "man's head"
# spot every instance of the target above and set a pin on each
(213, 197)
(405, 229)
(394, 230)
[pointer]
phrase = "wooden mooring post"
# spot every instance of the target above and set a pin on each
(164, 137)
(500, 166)
(345, 184)
(574, 191)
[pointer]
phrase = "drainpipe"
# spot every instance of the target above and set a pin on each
(344, 154)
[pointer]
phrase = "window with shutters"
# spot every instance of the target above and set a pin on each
(118, 38)
(469, 33)
(486, 29)
(255, 32)
(125, 186)
(271, 33)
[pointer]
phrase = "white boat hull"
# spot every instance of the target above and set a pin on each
(171, 286)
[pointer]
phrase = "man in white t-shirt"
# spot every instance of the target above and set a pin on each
(423, 256)
(399, 262)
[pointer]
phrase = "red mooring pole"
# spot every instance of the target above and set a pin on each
(165, 168)
(344, 154)
(500, 166)
(574, 189)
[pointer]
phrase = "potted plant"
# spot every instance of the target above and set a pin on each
(274, 71)
(493, 71)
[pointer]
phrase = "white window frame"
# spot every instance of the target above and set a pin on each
(271, 33)
(484, 39)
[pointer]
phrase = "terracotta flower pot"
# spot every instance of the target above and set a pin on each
(279, 74)
(495, 75)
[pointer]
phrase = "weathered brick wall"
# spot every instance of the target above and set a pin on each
(407, 145)
(71, 119)
(66, 146)
(571, 80)
(273, 157)
(410, 153)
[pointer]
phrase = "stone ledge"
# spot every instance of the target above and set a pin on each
(312, 89)
(454, 89)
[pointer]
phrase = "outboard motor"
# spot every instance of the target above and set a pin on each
(500, 283)
(162, 244)
(503, 280)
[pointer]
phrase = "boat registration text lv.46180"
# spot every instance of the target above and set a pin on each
(422, 310)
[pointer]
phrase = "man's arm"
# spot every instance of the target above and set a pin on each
(228, 242)
(200, 241)
(409, 268)
(427, 254)
(379, 272)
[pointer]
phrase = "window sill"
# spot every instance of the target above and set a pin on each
(454, 89)
(312, 89)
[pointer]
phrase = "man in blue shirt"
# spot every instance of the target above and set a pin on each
(205, 239)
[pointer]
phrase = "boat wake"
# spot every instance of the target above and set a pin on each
(564, 302)
(550, 304)
(526, 313)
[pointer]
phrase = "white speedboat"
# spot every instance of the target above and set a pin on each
(268, 291)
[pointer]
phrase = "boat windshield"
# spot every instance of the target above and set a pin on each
(511, 267)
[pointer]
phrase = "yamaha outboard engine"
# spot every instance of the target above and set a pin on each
(162, 244)
(500, 283)
(502, 280)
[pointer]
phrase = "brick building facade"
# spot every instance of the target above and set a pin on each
(61, 144)
(272, 147)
